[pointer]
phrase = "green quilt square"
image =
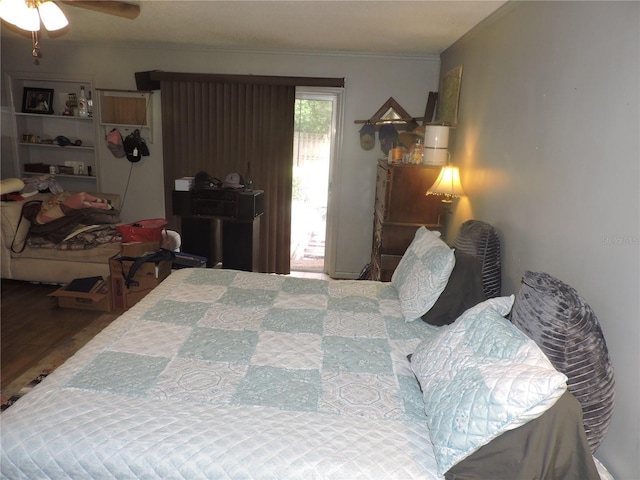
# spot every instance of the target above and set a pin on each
(248, 297)
(235, 346)
(296, 390)
(294, 320)
(120, 373)
(358, 355)
(180, 313)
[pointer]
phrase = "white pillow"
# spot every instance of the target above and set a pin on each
(480, 377)
(10, 185)
(423, 273)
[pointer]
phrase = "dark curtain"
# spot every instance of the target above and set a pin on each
(222, 123)
(221, 128)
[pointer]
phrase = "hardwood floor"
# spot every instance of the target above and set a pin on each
(31, 327)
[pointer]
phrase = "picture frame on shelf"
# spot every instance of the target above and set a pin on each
(37, 100)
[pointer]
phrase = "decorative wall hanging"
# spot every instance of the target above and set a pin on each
(448, 97)
(391, 112)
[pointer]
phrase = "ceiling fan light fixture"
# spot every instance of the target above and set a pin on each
(21, 14)
(12, 10)
(27, 14)
(52, 17)
(31, 19)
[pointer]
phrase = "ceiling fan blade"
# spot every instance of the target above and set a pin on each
(120, 9)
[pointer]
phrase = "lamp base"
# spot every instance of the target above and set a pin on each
(447, 203)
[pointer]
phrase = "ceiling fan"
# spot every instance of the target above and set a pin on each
(29, 14)
(120, 9)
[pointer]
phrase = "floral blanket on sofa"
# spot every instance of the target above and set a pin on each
(81, 238)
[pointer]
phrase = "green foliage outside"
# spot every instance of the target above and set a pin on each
(298, 194)
(313, 116)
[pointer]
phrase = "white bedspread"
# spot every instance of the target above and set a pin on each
(226, 374)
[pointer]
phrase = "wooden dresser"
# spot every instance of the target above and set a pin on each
(401, 206)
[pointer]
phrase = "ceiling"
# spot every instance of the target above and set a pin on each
(364, 26)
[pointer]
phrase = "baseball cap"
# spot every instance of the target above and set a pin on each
(387, 134)
(233, 180)
(115, 144)
(367, 136)
(132, 149)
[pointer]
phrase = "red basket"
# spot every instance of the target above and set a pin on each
(143, 230)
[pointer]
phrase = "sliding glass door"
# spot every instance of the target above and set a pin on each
(315, 150)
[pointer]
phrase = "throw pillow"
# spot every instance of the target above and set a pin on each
(481, 376)
(422, 274)
(10, 185)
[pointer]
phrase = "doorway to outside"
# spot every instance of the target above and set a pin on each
(313, 147)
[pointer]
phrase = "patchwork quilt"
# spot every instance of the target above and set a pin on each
(228, 374)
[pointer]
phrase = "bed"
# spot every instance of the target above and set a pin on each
(239, 375)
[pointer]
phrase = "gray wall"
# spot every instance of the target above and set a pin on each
(370, 81)
(547, 144)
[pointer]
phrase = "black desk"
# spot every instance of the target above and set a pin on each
(226, 231)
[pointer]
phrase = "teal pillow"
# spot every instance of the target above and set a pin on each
(481, 376)
(423, 273)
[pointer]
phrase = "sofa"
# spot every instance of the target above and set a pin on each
(49, 265)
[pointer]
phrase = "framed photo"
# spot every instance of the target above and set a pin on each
(37, 100)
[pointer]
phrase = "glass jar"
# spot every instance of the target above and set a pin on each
(417, 151)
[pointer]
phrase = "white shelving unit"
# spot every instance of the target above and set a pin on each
(32, 150)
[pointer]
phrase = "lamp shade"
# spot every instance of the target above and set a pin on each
(447, 183)
(51, 16)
